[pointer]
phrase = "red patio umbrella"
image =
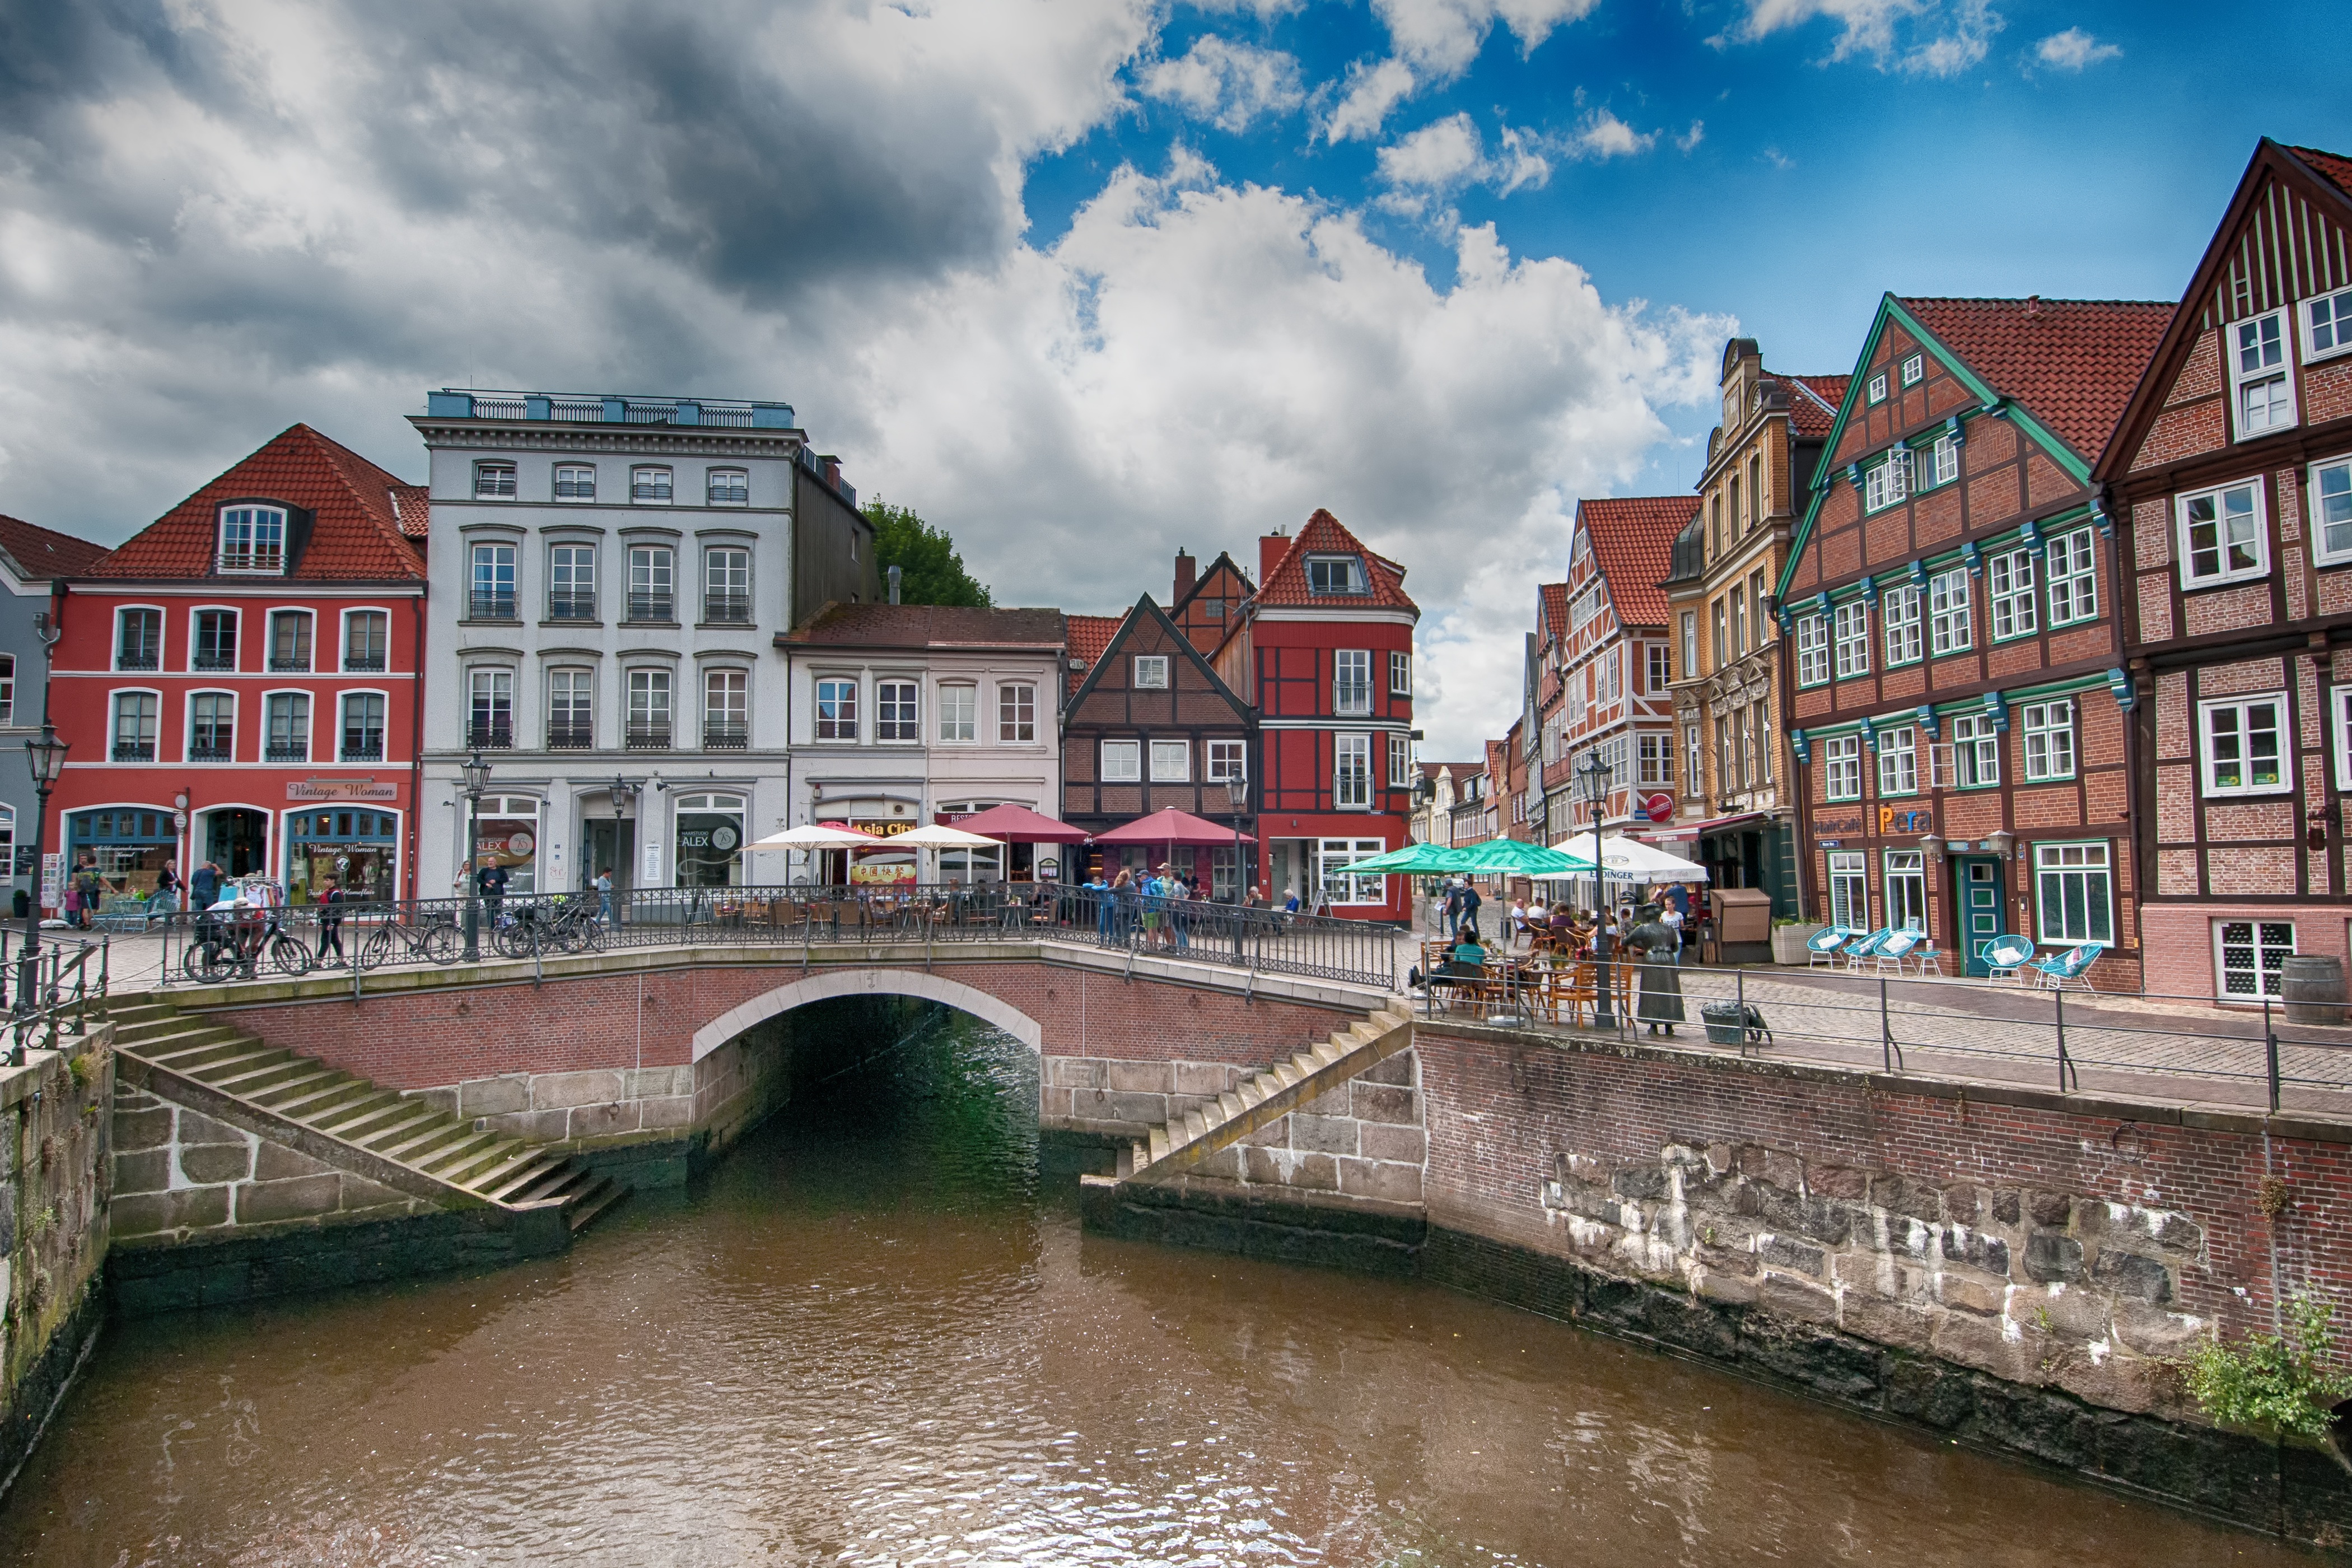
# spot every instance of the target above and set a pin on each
(1170, 827)
(1019, 824)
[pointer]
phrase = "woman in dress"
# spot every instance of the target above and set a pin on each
(1660, 945)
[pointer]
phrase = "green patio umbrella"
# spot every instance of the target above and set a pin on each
(1414, 860)
(1515, 857)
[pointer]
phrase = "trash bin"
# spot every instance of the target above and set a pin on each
(1727, 1023)
(23, 904)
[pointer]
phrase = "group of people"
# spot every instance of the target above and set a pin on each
(1652, 934)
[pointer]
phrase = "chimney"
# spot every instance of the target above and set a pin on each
(1270, 550)
(832, 471)
(1183, 576)
(2033, 306)
(894, 585)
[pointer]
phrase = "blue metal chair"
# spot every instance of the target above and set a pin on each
(2075, 965)
(1894, 949)
(1822, 947)
(1867, 947)
(2005, 955)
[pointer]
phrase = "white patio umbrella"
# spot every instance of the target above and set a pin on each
(1629, 860)
(815, 836)
(941, 837)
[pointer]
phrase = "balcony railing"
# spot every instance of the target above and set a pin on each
(138, 659)
(571, 737)
(648, 737)
(214, 659)
(363, 663)
(134, 751)
(731, 737)
(363, 752)
(210, 752)
(299, 662)
(734, 608)
(571, 606)
(495, 736)
(653, 607)
(1351, 697)
(287, 752)
(490, 604)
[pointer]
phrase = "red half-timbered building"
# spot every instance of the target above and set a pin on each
(2233, 467)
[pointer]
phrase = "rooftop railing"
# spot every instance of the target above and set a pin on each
(608, 408)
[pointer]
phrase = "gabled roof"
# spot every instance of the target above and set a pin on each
(1146, 608)
(1223, 562)
(928, 626)
(1285, 585)
(2072, 362)
(356, 532)
(1632, 547)
(1813, 400)
(37, 553)
(1433, 769)
(2335, 167)
(1553, 597)
(1088, 637)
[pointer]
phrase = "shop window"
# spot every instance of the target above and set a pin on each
(2073, 895)
(1333, 857)
(289, 640)
(710, 841)
(1906, 890)
(1849, 890)
(131, 844)
(2243, 754)
(649, 711)
(506, 833)
(289, 740)
(2251, 954)
(1016, 713)
(836, 710)
(356, 847)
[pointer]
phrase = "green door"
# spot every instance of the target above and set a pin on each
(1980, 880)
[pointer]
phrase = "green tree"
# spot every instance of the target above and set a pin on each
(929, 570)
(2287, 1384)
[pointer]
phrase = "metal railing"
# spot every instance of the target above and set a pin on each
(68, 985)
(653, 607)
(570, 738)
(222, 751)
(287, 752)
(734, 737)
(213, 946)
(494, 737)
(571, 606)
(648, 738)
(284, 663)
(363, 663)
(133, 752)
(139, 658)
(726, 609)
(490, 606)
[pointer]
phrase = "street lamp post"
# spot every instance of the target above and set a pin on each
(1592, 781)
(625, 795)
(478, 778)
(47, 754)
(1237, 799)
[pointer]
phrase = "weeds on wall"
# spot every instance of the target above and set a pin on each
(2283, 1385)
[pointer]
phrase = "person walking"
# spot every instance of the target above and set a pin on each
(603, 885)
(89, 892)
(331, 924)
(204, 892)
(1465, 919)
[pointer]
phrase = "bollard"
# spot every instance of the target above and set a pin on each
(2270, 1056)
(2066, 1066)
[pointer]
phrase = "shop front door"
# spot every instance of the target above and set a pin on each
(612, 847)
(237, 841)
(1980, 880)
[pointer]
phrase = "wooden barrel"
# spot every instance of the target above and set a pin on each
(2312, 986)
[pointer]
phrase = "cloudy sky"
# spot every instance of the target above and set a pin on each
(1084, 281)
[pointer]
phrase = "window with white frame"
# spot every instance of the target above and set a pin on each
(2013, 599)
(1400, 760)
(727, 585)
(138, 639)
(2049, 739)
(1906, 890)
(1690, 642)
(489, 708)
(1332, 859)
(494, 481)
(1842, 768)
(898, 711)
(650, 486)
(571, 710)
(2328, 325)
(1400, 675)
(1655, 764)
(1351, 773)
(2221, 535)
(362, 726)
(1017, 711)
(1152, 671)
(2340, 704)
(726, 710)
(2074, 580)
(837, 710)
(727, 487)
(286, 735)
(1585, 605)
(1662, 666)
(1171, 761)
(7, 688)
(1694, 757)
(1739, 623)
(490, 593)
(253, 539)
(1122, 761)
(2331, 506)
(2262, 394)
(1887, 481)
(2251, 955)
(1852, 638)
(572, 583)
(653, 583)
(1976, 750)
(1935, 464)
(2244, 753)
(2073, 894)
(1914, 367)
(1760, 715)
(1950, 628)
(212, 727)
(959, 712)
(1878, 387)
(649, 711)
(576, 482)
(135, 715)
(1812, 650)
(1351, 680)
(1849, 890)
(1898, 760)
(1898, 608)
(1336, 575)
(1226, 760)
(289, 640)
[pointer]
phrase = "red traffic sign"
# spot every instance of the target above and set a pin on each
(1661, 806)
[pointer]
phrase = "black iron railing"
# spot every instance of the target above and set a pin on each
(648, 738)
(490, 606)
(492, 737)
(66, 987)
(571, 606)
(727, 608)
(571, 737)
(653, 607)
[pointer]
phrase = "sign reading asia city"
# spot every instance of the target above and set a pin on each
(882, 865)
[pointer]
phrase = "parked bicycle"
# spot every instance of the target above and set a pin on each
(430, 937)
(232, 944)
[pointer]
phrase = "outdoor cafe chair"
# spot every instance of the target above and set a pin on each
(1926, 955)
(1892, 951)
(2005, 955)
(1822, 947)
(2075, 965)
(1867, 947)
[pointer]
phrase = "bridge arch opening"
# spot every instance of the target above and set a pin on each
(915, 984)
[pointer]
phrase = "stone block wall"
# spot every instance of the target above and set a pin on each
(182, 1176)
(1362, 1139)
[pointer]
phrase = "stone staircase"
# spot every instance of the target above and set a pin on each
(1263, 1100)
(345, 1120)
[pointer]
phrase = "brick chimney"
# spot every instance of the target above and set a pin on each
(1184, 578)
(1270, 550)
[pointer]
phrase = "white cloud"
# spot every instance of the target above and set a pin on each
(1447, 155)
(2073, 49)
(1226, 83)
(1689, 140)
(1372, 91)
(1935, 40)
(1433, 42)
(1601, 134)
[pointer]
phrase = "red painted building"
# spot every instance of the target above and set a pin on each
(1327, 648)
(248, 661)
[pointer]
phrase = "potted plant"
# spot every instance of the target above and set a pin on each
(1790, 935)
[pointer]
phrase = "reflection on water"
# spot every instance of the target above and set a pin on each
(875, 1336)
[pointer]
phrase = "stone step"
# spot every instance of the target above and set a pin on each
(395, 1124)
(351, 1119)
(313, 1109)
(1231, 1104)
(1159, 1145)
(526, 1166)
(467, 1157)
(563, 1179)
(246, 1082)
(191, 1049)
(427, 1138)
(593, 1205)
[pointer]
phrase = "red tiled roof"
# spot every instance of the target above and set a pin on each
(1632, 545)
(44, 553)
(354, 534)
(1554, 607)
(1814, 415)
(1088, 637)
(929, 626)
(1433, 769)
(413, 506)
(2072, 362)
(2333, 166)
(1286, 584)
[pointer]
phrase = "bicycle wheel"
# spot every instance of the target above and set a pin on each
(588, 934)
(516, 941)
(439, 943)
(198, 960)
(376, 950)
(289, 956)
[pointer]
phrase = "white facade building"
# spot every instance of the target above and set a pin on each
(608, 578)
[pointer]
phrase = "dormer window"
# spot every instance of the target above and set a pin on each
(253, 539)
(494, 481)
(1335, 574)
(2264, 399)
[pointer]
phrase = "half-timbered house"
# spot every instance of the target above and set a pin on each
(1954, 678)
(1207, 606)
(2232, 467)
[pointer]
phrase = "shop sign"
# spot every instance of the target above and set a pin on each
(1909, 819)
(1837, 824)
(341, 789)
(53, 881)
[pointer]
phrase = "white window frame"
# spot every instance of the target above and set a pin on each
(1690, 643)
(188, 727)
(1876, 391)
(1122, 761)
(1976, 752)
(566, 483)
(487, 677)
(271, 619)
(1907, 869)
(303, 705)
(840, 729)
(163, 621)
(1349, 571)
(2261, 946)
(485, 553)
(2258, 518)
(2051, 749)
(2339, 700)
(2089, 864)
(1812, 650)
(959, 728)
(2281, 412)
(7, 690)
(196, 613)
(1850, 638)
(1886, 482)
(652, 484)
(1898, 760)
(2016, 600)
(1951, 623)
(1016, 714)
(1915, 369)
(254, 561)
(1654, 764)
(1849, 879)
(1899, 614)
(1935, 465)
(1227, 760)
(2070, 578)
(2328, 317)
(1400, 760)
(2318, 479)
(1171, 761)
(1842, 768)
(496, 480)
(1351, 773)
(1400, 674)
(738, 493)
(903, 729)
(150, 718)
(344, 700)
(1151, 672)
(1351, 682)
(1694, 756)
(576, 680)
(2209, 766)
(1333, 857)
(1660, 659)
(653, 682)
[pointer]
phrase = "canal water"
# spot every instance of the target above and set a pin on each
(877, 1335)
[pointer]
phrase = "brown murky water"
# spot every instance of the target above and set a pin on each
(877, 1335)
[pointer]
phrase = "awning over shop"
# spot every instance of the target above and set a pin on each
(1712, 825)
